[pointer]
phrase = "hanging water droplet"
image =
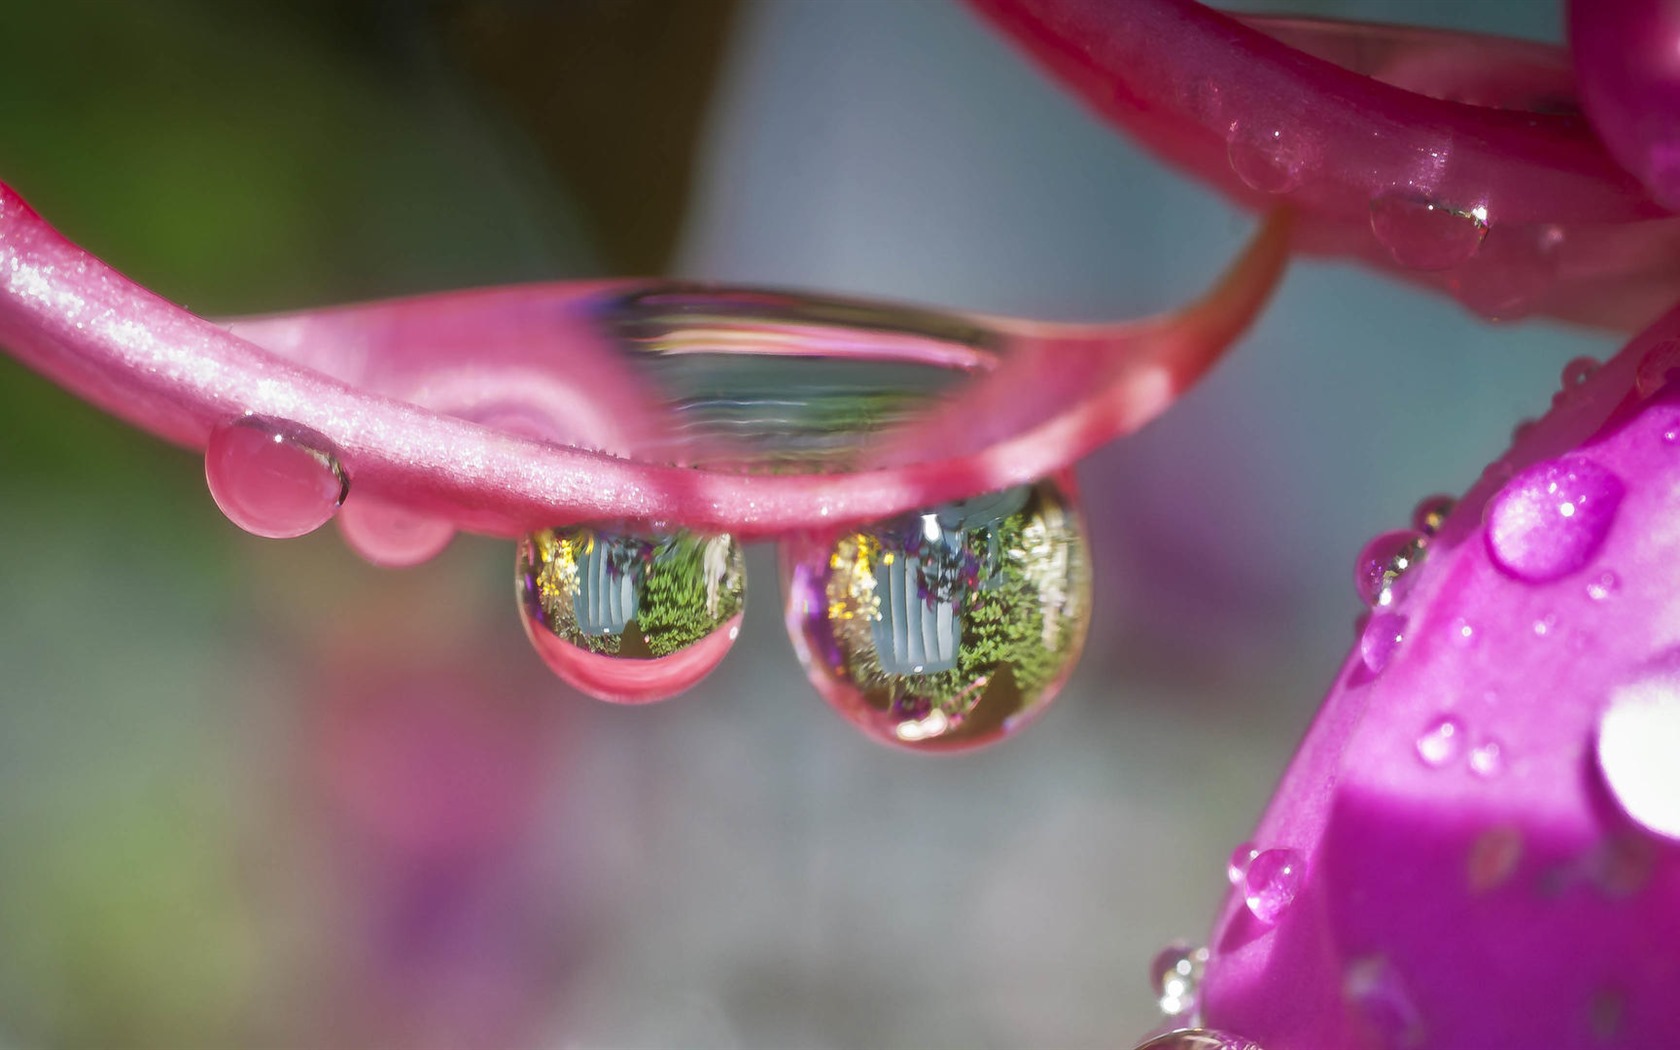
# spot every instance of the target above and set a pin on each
(1487, 759)
(1512, 271)
(1272, 881)
(1550, 520)
(1423, 234)
(631, 617)
(1380, 571)
(1197, 1039)
(1236, 868)
(1656, 366)
(946, 628)
(1441, 741)
(1431, 513)
(1174, 975)
(273, 478)
(1603, 586)
(1638, 739)
(390, 535)
(1381, 637)
(1267, 159)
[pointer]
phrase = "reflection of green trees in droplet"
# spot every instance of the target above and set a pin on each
(1004, 621)
(693, 585)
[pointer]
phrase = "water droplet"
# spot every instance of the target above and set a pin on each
(1441, 742)
(1550, 520)
(1382, 567)
(1576, 373)
(1512, 272)
(1520, 432)
(1464, 632)
(1267, 159)
(1174, 974)
(947, 628)
(1197, 1039)
(273, 478)
(1493, 858)
(1236, 868)
(1656, 367)
(1423, 234)
(1272, 880)
(1638, 739)
(1431, 513)
(1603, 586)
(1380, 640)
(1487, 759)
(390, 535)
(631, 617)
(1543, 626)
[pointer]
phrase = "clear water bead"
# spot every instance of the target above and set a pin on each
(1380, 571)
(1424, 234)
(1267, 159)
(1431, 513)
(1236, 868)
(1441, 741)
(1381, 638)
(631, 617)
(1272, 881)
(946, 628)
(1174, 975)
(273, 478)
(1551, 519)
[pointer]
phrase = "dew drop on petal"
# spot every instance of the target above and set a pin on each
(390, 535)
(1236, 868)
(1549, 520)
(1197, 1039)
(1464, 632)
(273, 478)
(1380, 572)
(947, 628)
(1423, 234)
(1487, 759)
(1544, 626)
(1174, 975)
(1271, 882)
(1656, 367)
(1603, 586)
(1431, 513)
(1267, 159)
(1381, 638)
(1638, 739)
(631, 617)
(1441, 741)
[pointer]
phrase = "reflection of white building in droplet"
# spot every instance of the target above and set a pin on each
(913, 635)
(606, 599)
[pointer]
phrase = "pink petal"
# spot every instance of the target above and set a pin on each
(481, 408)
(1486, 836)
(1399, 147)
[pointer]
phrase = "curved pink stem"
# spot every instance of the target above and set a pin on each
(390, 386)
(1353, 125)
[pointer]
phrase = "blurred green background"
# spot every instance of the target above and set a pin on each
(259, 793)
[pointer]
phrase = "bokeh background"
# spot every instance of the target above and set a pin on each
(259, 793)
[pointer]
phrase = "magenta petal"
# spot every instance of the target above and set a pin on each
(1627, 56)
(481, 409)
(1454, 161)
(1486, 817)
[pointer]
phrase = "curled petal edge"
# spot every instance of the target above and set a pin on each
(1059, 393)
